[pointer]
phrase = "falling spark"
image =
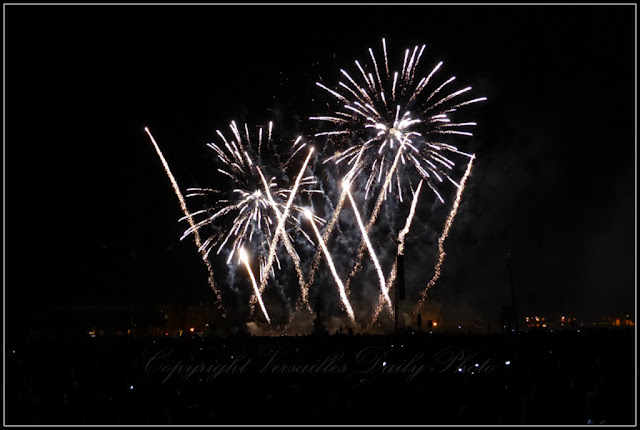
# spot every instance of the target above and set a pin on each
(285, 238)
(325, 238)
(386, 61)
(374, 215)
(343, 294)
(407, 226)
(401, 240)
(245, 260)
(445, 233)
(183, 206)
(372, 254)
(280, 226)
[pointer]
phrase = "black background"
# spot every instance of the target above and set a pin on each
(91, 216)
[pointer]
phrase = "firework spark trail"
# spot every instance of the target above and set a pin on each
(401, 239)
(341, 288)
(407, 226)
(372, 254)
(290, 249)
(374, 215)
(386, 61)
(325, 238)
(187, 214)
(245, 260)
(331, 225)
(280, 226)
(445, 233)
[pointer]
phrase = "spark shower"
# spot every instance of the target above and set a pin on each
(387, 133)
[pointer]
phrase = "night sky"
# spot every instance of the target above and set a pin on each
(91, 217)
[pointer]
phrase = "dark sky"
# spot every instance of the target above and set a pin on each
(91, 216)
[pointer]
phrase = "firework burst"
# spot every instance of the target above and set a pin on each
(389, 133)
(391, 127)
(250, 209)
(381, 114)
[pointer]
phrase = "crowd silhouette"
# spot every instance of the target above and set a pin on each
(565, 377)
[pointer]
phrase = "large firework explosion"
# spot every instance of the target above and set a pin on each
(388, 133)
(383, 118)
(254, 211)
(388, 129)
